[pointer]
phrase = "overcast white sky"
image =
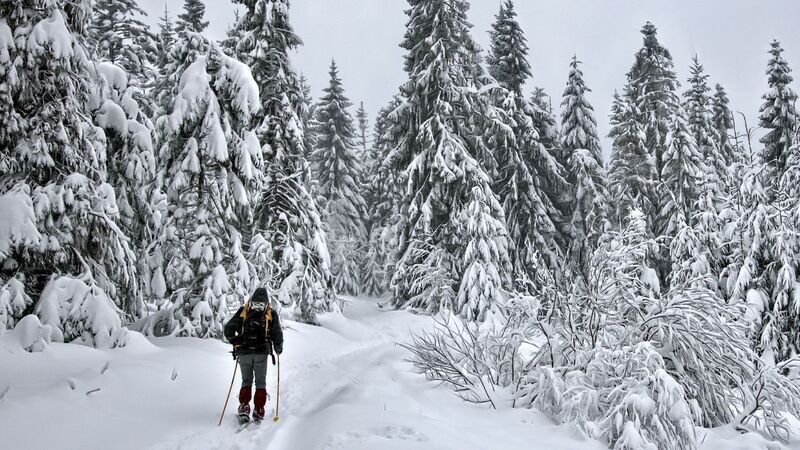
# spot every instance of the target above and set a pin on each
(730, 36)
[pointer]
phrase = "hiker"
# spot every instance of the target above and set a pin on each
(254, 331)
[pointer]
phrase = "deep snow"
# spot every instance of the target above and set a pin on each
(345, 385)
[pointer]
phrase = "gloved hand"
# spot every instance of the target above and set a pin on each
(278, 349)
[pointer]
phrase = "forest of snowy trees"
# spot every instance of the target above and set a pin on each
(151, 179)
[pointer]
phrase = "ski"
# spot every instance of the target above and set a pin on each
(243, 426)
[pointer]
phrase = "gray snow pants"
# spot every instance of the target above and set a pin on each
(254, 364)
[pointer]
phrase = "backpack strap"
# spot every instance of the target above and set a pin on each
(267, 320)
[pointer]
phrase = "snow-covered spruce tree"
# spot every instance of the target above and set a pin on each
(485, 258)
(762, 268)
(651, 87)
(528, 177)
(211, 170)
(631, 171)
(438, 151)
(383, 193)
(779, 115)
(546, 123)
(165, 38)
(701, 125)
(586, 175)
(70, 269)
(308, 116)
(191, 20)
(232, 35)
(118, 34)
(291, 248)
(161, 86)
(682, 173)
(339, 176)
(363, 134)
(508, 57)
(723, 123)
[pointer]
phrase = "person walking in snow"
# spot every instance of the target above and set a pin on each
(254, 331)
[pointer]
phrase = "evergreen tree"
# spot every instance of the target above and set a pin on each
(166, 37)
(581, 144)
(631, 170)
(722, 121)
(437, 150)
(118, 34)
(651, 88)
(162, 86)
(521, 133)
(701, 125)
(72, 263)
(508, 58)
(308, 117)
(682, 175)
(778, 113)
(762, 269)
(232, 35)
(545, 123)
(383, 193)
(210, 164)
(191, 21)
(338, 172)
(288, 243)
(363, 133)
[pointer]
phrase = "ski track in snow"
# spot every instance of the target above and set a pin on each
(354, 390)
(344, 385)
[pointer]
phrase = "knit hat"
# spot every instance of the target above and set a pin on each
(260, 295)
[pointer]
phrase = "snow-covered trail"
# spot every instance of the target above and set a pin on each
(346, 385)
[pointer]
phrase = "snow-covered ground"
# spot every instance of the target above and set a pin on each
(345, 385)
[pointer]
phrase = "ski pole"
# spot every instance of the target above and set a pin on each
(227, 397)
(278, 392)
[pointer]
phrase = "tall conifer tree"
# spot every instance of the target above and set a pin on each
(778, 113)
(339, 176)
(288, 244)
(441, 159)
(581, 145)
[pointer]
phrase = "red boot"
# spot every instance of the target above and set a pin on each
(244, 403)
(259, 402)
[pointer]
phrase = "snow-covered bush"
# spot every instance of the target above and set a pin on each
(78, 310)
(17, 231)
(32, 335)
(480, 362)
(771, 396)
